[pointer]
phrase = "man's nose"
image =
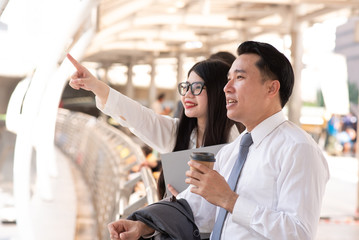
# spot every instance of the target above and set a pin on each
(228, 86)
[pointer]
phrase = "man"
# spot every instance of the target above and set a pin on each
(281, 186)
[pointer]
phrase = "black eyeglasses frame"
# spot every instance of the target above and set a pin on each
(190, 85)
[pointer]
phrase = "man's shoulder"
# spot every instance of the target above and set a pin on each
(295, 134)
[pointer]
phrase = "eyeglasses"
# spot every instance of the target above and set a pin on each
(196, 88)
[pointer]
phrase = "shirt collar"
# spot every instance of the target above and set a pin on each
(193, 139)
(266, 127)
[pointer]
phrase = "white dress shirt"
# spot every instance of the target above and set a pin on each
(157, 131)
(280, 189)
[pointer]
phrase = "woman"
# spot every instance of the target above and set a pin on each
(203, 122)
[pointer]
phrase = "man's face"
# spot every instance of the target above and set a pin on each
(246, 92)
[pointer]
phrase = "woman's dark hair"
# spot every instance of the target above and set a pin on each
(224, 56)
(214, 74)
(273, 65)
(218, 126)
(228, 58)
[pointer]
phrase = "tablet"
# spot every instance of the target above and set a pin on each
(175, 165)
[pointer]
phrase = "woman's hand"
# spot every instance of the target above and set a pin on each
(82, 78)
(172, 190)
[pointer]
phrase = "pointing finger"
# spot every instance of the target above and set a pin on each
(76, 64)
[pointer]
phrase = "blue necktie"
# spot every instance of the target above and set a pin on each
(246, 141)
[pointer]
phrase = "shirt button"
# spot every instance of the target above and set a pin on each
(196, 233)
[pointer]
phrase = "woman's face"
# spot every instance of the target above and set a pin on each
(195, 106)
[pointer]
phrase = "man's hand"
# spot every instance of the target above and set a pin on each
(211, 185)
(128, 230)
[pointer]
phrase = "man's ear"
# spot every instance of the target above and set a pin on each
(273, 87)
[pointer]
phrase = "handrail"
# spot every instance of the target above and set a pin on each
(102, 153)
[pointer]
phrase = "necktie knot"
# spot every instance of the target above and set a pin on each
(246, 140)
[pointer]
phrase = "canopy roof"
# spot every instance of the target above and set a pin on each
(165, 28)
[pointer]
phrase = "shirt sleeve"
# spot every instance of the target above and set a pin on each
(300, 186)
(156, 235)
(157, 131)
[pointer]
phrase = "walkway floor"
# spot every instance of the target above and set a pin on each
(69, 214)
(340, 201)
(57, 219)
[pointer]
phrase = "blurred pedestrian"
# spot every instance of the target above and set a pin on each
(158, 106)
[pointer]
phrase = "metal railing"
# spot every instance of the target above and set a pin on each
(105, 156)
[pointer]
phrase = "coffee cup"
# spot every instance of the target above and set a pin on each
(205, 158)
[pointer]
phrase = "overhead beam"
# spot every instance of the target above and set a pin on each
(296, 2)
(127, 9)
(318, 13)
